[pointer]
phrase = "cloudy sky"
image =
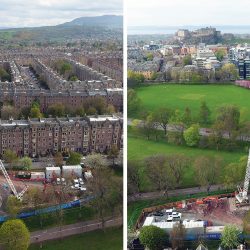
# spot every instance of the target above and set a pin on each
(23, 13)
(188, 12)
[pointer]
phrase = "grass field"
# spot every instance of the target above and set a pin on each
(97, 240)
(139, 148)
(182, 96)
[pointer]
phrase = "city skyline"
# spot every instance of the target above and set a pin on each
(27, 13)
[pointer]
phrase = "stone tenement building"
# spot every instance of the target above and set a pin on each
(25, 88)
(42, 137)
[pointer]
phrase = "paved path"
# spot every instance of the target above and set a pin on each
(203, 131)
(72, 229)
(171, 193)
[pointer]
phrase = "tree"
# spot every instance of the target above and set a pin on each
(229, 116)
(177, 236)
(35, 112)
(187, 60)
(8, 111)
(110, 109)
(96, 161)
(135, 78)
(207, 169)
(152, 237)
(229, 72)
(14, 235)
(159, 173)
(134, 177)
(187, 116)
(134, 102)
(163, 116)
(235, 173)
(10, 157)
(113, 153)
(58, 159)
(102, 184)
(57, 110)
(13, 206)
(148, 125)
(230, 236)
(204, 114)
(192, 135)
(26, 163)
(220, 54)
(74, 158)
(177, 164)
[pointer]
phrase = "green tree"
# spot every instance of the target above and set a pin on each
(229, 72)
(35, 112)
(26, 163)
(187, 60)
(229, 117)
(134, 102)
(187, 116)
(192, 135)
(96, 161)
(13, 206)
(57, 110)
(230, 237)
(235, 173)
(207, 169)
(204, 114)
(220, 54)
(163, 116)
(14, 235)
(10, 157)
(135, 78)
(134, 177)
(152, 237)
(74, 158)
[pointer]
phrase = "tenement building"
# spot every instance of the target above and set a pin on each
(34, 78)
(46, 136)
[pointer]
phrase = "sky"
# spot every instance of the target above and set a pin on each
(34, 13)
(187, 12)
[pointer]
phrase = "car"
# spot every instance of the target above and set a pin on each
(58, 181)
(83, 188)
(176, 215)
(63, 181)
(170, 218)
(77, 186)
(76, 181)
(81, 181)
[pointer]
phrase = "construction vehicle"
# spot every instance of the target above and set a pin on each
(19, 196)
(242, 195)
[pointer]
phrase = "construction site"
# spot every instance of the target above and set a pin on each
(47, 190)
(202, 217)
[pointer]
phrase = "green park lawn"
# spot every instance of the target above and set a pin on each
(181, 96)
(139, 148)
(97, 240)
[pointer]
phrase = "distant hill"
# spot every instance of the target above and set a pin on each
(110, 21)
(99, 27)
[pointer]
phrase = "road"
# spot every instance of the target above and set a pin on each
(203, 131)
(72, 229)
(171, 193)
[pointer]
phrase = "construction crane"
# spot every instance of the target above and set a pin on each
(19, 196)
(242, 195)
